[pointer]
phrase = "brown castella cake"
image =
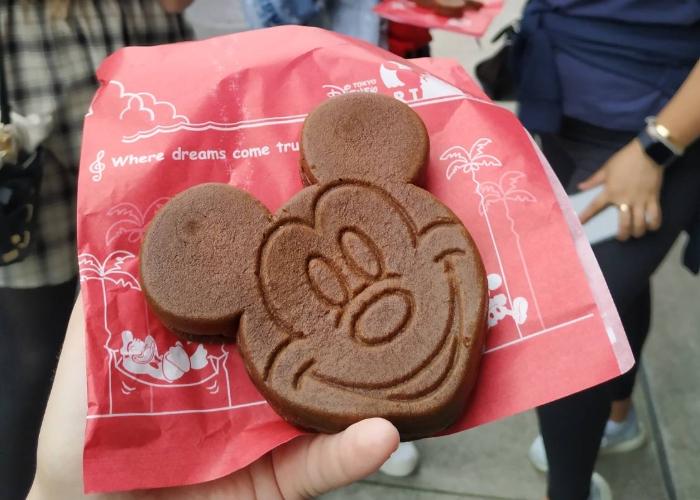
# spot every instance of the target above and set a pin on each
(190, 260)
(449, 8)
(369, 138)
(362, 296)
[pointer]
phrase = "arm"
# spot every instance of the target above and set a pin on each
(682, 113)
(632, 180)
(175, 6)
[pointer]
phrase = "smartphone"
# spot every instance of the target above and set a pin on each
(603, 226)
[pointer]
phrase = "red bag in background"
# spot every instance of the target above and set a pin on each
(405, 40)
(162, 412)
(474, 22)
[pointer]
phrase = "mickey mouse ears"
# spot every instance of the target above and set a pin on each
(364, 136)
(198, 258)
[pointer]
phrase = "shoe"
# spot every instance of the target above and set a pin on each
(619, 437)
(403, 462)
(600, 489)
(538, 455)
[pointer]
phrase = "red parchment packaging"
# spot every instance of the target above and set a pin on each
(475, 20)
(163, 412)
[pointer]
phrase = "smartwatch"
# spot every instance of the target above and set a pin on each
(656, 143)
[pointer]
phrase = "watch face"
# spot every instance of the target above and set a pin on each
(658, 152)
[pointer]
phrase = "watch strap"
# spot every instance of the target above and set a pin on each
(657, 147)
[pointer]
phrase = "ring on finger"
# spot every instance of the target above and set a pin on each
(624, 207)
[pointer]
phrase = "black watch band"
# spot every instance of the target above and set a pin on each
(657, 144)
(656, 150)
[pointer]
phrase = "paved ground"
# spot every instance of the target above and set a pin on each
(490, 462)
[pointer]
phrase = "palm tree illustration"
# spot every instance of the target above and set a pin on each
(507, 190)
(111, 270)
(132, 222)
(470, 162)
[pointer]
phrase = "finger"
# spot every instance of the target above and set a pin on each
(594, 180)
(653, 215)
(639, 223)
(598, 204)
(312, 465)
(624, 221)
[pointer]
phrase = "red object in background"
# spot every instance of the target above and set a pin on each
(474, 21)
(406, 39)
(162, 412)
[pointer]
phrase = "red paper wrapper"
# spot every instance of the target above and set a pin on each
(473, 22)
(162, 412)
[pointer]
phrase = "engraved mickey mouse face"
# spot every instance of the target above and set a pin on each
(358, 279)
(362, 296)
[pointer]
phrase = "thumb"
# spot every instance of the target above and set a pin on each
(594, 180)
(312, 465)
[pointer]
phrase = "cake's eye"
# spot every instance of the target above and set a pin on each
(361, 253)
(326, 281)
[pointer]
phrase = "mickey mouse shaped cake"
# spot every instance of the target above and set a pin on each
(362, 296)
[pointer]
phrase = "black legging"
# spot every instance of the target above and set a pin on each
(572, 427)
(32, 326)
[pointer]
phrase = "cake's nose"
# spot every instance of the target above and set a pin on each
(381, 316)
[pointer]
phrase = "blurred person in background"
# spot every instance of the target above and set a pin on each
(51, 50)
(349, 17)
(602, 84)
(210, 18)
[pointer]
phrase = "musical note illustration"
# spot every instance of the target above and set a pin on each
(97, 166)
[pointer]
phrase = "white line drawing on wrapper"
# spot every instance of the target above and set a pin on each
(334, 90)
(133, 221)
(126, 389)
(137, 357)
(540, 332)
(140, 99)
(169, 367)
(182, 412)
(469, 162)
(111, 270)
(141, 357)
(506, 190)
(497, 304)
(97, 167)
(417, 85)
(221, 127)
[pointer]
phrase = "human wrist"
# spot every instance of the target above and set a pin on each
(683, 130)
(658, 143)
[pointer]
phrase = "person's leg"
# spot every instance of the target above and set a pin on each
(636, 319)
(572, 427)
(32, 326)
